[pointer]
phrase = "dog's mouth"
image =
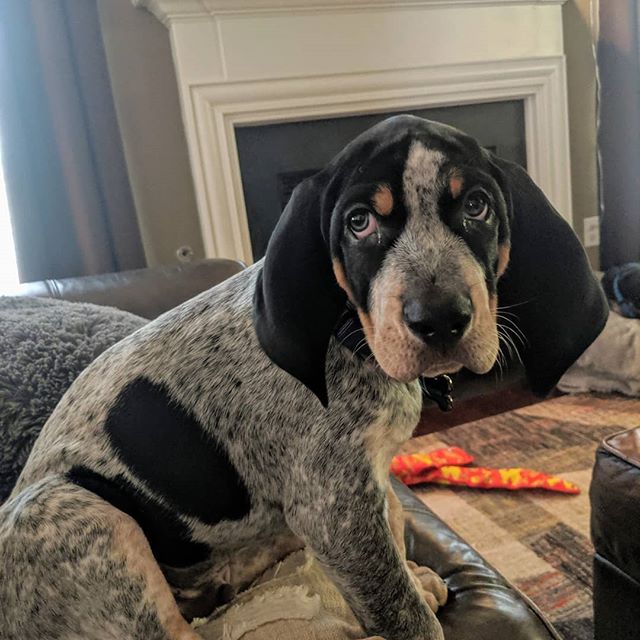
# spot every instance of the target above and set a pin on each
(441, 368)
(405, 356)
(476, 354)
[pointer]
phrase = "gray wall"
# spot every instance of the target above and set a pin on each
(145, 92)
(146, 98)
(581, 82)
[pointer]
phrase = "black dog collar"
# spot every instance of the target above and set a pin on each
(350, 333)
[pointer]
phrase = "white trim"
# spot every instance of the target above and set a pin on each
(218, 108)
(173, 10)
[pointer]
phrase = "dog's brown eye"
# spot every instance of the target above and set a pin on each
(362, 223)
(358, 220)
(476, 205)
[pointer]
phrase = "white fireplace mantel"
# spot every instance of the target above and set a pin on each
(261, 61)
(170, 10)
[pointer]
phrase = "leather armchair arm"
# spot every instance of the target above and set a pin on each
(144, 292)
(482, 605)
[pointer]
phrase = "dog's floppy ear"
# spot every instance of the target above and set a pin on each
(560, 306)
(297, 300)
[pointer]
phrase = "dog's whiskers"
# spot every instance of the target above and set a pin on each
(501, 358)
(508, 317)
(515, 336)
(499, 361)
(506, 337)
(351, 333)
(513, 306)
(512, 327)
(361, 345)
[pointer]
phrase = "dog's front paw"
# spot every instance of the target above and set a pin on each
(430, 585)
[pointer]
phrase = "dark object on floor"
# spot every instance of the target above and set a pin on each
(482, 605)
(622, 286)
(615, 528)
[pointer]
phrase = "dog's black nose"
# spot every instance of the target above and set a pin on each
(439, 322)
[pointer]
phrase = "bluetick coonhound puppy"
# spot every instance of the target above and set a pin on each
(237, 427)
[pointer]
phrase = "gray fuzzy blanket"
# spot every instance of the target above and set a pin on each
(44, 345)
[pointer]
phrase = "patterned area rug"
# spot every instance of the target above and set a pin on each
(537, 540)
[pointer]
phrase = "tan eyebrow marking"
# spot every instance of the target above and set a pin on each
(383, 200)
(456, 182)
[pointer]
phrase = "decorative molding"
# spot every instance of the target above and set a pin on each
(219, 108)
(168, 10)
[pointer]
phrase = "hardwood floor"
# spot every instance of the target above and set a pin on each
(475, 407)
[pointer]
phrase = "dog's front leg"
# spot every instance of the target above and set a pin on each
(430, 585)
(349, 534)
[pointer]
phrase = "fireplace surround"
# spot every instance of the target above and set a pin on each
(275, 157)
(243, 63)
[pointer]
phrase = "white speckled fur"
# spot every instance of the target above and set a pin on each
(325, 485)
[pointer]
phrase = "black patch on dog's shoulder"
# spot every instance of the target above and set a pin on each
(168, 537)
(165, 447)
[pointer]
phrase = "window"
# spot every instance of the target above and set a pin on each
(8, 265)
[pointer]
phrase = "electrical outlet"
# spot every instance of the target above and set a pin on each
(591, 231)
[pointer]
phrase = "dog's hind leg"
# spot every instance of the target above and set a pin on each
(75, 567)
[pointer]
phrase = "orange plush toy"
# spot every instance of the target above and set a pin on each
(444, 466)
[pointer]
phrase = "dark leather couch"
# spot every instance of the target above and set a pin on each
(482, 604)
(145, 292)
(615, 530)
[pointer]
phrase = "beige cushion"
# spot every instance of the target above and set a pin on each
(611, 363)
(295, 600)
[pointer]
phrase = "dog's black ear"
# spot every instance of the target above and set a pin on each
(548, 284)
(297, 300)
